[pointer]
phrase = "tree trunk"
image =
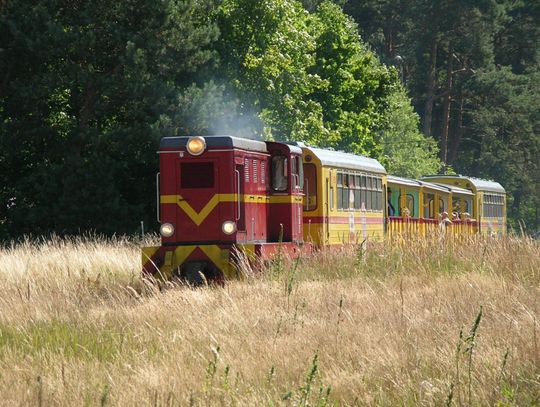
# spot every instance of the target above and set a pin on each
(477, 154)
(7, 77)
(446, 105)
(430, 91)
(457, 134)
(389, 42)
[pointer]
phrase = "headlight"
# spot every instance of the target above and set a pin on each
(196, 145)
(166, 230)
(228, 227)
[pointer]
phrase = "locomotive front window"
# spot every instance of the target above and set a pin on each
(197, 175)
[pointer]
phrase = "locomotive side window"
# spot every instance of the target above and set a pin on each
(197, 175)
(300, 168)
(297, 172)
(279, 173)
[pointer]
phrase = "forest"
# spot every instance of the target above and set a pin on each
(88, 88)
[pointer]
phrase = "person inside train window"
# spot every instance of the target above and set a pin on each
(445, 220)
(279, 173)
(455, 216)
(391, 209)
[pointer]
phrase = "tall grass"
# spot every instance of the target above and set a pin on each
(424, 322)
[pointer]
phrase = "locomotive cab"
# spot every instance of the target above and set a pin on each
(286, 193)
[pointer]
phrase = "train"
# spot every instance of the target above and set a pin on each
(219, 196)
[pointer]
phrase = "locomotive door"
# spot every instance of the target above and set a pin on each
(239, 190)
(297, 188)
(196, 208)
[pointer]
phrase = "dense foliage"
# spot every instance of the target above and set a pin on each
(471, 68)
(88, 88)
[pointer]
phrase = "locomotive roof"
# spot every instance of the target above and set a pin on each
(216, 142)
(343, 160)
(479, 184)
(291, 146)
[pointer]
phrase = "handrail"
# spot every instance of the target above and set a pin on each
(158, 214)
(306, 183)
(237, 216)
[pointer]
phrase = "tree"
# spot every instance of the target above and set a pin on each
(266, 49)
(384, 25)
(448, 51)
(406, 151)
(354, 83)
(85, 89)
(309, 75)
(505, 139)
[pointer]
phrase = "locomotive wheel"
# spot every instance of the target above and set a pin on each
(195, 278)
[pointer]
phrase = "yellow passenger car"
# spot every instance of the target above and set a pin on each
(416, 207)
(488, 205)
(344, 197)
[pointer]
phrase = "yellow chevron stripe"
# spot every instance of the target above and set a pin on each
(182, 253)
(147, 253)
(215, 254)
(199, 217)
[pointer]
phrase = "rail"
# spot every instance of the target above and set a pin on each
(408, 226)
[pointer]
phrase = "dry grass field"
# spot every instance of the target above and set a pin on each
(423, 323)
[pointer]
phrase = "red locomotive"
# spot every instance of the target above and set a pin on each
(220, 194)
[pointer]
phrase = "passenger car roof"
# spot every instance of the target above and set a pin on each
(404, 181)
(339, 159)
(478, 183)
